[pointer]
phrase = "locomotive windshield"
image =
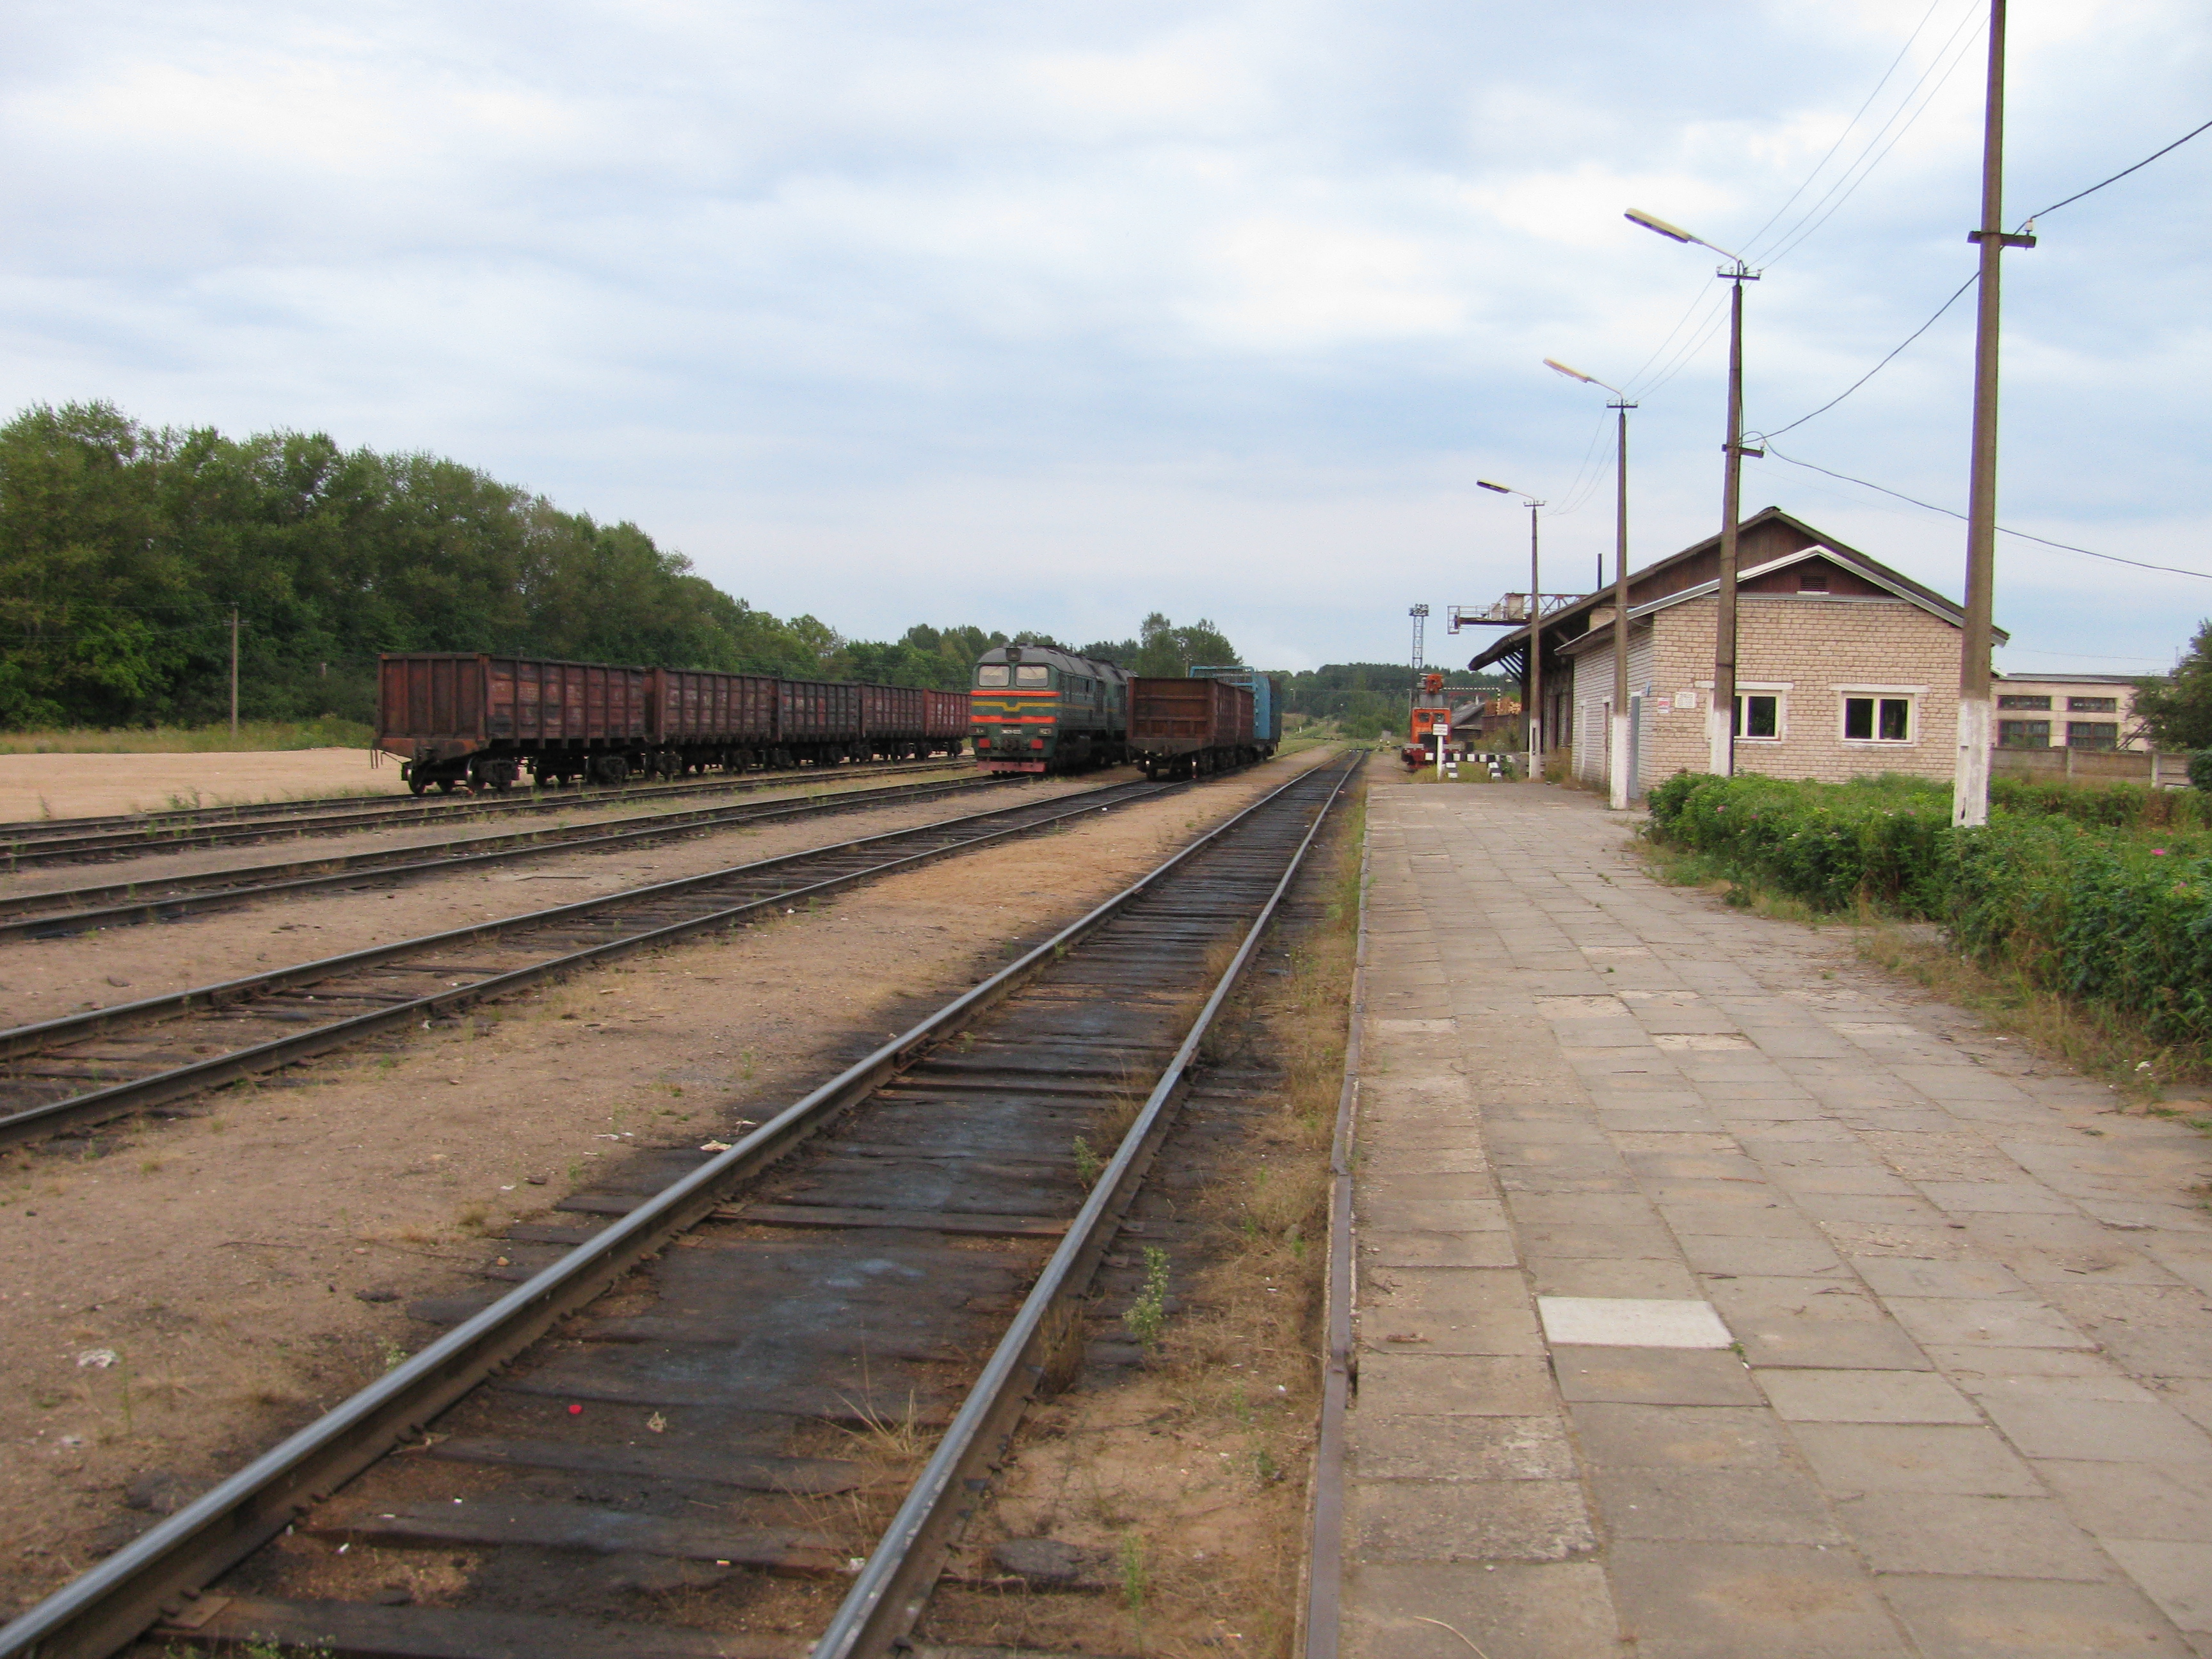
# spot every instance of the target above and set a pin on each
(991, 673)
(1032, 674)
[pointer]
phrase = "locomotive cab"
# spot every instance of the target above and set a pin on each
(1035, 708)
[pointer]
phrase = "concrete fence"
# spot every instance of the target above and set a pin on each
(2093, 766)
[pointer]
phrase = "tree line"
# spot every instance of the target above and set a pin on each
(126, 549)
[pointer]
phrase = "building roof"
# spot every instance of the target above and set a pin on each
(1674, 579)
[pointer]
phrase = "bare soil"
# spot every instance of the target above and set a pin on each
(178, 1296)
(93, 786)
(44, 979)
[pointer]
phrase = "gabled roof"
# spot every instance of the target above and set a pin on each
(1574, 620)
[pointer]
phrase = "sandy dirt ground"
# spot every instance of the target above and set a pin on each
(87, 786)
(177, 1296)
(43, 979)
(150, 869)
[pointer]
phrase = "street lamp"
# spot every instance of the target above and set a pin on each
(1532, 718)
(1617, 757)
(1720, 720)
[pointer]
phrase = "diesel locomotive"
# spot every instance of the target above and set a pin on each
(1034, 708)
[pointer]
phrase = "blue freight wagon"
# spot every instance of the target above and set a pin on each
(1266, 701)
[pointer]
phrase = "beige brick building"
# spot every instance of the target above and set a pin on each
(1844, 667)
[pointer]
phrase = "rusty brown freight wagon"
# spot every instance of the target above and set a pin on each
(1189, 728)
(460, 718)
(701, 718)
(893, 720)
(944, 721)
(816, 721)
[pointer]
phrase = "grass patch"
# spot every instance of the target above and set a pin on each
(329, 732)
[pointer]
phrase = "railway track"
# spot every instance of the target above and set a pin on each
(49, 840)
(908, 1246)
(86, 1068)
(123, 904)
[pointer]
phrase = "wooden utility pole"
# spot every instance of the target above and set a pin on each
(234, 674)
(1970, 780)
(1721, 722)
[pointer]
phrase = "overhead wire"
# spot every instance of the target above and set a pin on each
(1858, 115)
(1869, 160)
(2003, 529)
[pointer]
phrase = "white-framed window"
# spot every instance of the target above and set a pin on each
(1760, 715)
(991, 673)
(1878, 719)
(1032, 674)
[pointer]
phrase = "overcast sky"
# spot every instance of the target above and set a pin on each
(1045, 315)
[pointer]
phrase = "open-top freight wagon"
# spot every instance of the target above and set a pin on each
(460, 720)
(1190, 727)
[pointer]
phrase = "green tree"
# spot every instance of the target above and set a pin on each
(2176, 710)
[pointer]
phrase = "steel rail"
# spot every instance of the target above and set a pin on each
(276, 819)
(108, 1607)
(178, 1082)
(889, 1593)
(35, 915)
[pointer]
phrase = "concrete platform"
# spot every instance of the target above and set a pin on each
(1719, 1296)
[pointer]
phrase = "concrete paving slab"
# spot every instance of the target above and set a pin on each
(1855, 1458)
(1579, 1277)
(2135, 1500)
(1865, 1396)
(1654, 1376)
(1462, 1448)
(1614, 1436)
(1971, 1535)
(1438, 1610)
(2177, 1576)
(1469, 1520)
(1418, 1385)
(1965, 1321)
(1776, 1505)
(2022, 1619)
(1749, 1602)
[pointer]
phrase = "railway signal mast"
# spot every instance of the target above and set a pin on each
(1419, 613)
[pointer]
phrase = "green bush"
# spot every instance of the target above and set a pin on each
(2065, 887)
(2200, 770)
(2126, 920)
(1883, 841)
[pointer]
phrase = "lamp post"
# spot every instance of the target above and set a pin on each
(1617, 757)
(1532, 717)
(1720, 720)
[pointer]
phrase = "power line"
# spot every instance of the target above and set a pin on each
(1883, 364)
(1971, 281)
(2065, 547)
(1864, 166)
(1752, 240)
(2117, 177)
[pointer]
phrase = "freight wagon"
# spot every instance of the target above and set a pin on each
(1039, 710)
(702, 718)
(461, 719)
(1267, 701)
(1190, 727)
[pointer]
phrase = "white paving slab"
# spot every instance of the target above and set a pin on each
(1619, 1321)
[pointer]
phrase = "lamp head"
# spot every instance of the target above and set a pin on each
(1651, 221)
(1485, 484)
(1554, 364)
